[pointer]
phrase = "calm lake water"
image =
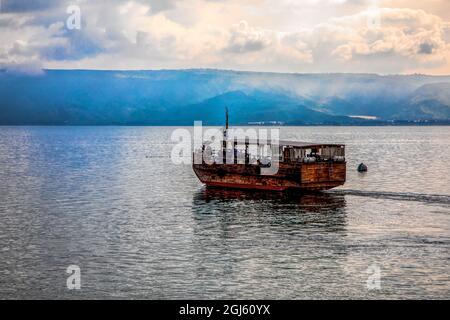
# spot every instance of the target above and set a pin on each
(109, 200)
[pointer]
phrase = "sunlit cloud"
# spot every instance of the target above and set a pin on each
(287, 36)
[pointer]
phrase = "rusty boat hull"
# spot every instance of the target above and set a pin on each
(300, 176)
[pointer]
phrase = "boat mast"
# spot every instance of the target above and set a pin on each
(226, 119)
(225, 135)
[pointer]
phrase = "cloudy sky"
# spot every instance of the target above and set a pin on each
(380, 36)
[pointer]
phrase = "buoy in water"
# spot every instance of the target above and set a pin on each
(362, 168)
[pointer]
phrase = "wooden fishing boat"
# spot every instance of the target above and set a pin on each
(292, 165)
(301, 165)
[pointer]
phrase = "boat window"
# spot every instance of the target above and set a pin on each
(265, 154)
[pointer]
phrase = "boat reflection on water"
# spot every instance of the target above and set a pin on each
(287, 209)
(267, 241)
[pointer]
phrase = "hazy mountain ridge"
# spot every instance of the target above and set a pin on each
(431, 101)
(170, 97)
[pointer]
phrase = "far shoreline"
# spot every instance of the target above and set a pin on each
(443, 124)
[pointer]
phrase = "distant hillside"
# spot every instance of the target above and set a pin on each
(259, 106)
(83, 97)
(431, 101)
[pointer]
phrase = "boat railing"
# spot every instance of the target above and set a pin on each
(245, 156)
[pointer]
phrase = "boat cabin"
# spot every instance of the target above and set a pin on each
(292, 151)
(251, 152)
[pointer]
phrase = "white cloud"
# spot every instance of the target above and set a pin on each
(403, 34)
(247, 39)
(229, 34)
